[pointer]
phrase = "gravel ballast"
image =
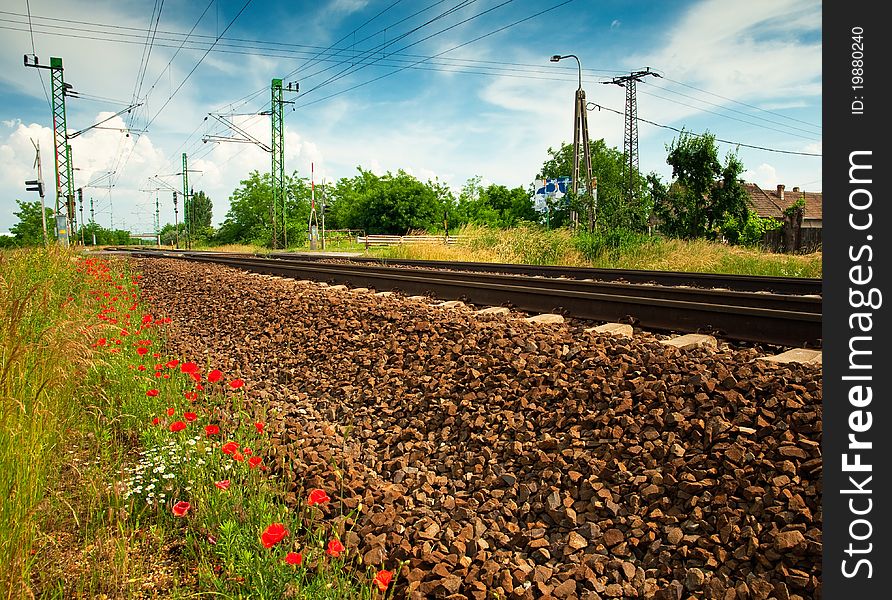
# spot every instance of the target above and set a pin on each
(500, 457)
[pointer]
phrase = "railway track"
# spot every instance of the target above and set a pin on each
(774, 318)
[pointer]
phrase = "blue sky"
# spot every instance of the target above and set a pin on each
(749, 72)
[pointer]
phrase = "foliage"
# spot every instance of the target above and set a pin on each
(494, 206)
(750, 232)
(29, 230)
(202, 214)
(248, 219)
(799, 204)
(704, 193)
(387, 204)
(610, 244)
(613, 210)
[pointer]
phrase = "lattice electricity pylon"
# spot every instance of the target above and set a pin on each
(278, 209)
(630, 130)
(64, 179)
(277, 167)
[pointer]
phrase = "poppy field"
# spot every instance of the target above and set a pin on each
(128, 472)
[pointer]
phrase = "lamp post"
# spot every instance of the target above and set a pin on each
(580, 139)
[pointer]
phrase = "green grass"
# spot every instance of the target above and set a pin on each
(79, 429)
(617, 250)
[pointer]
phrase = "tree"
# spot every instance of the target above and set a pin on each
(249, 221)
(389, 204)
(202, 214)
(704, 193)
(29, 230)
(495, 205)
(613, 210)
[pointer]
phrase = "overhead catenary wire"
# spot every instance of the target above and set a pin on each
(684, 131)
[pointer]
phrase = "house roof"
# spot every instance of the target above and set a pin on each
(768, 203)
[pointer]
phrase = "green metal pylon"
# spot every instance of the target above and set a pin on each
(187, 205)
(278, 163)
(64, 178)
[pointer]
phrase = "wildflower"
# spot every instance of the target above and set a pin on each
(318, 496)
(274, 534)
(230, 448)
(171, 364)
(382, 579)
(211, 430)
(158, 374)
(181, 508)
(152, 393)
(215, 376)
(254, 461)
(146, 319)
(294, 558)
(196, 376)
(141, 367)
(171, 411)
(223, 485)
(188, 367)
(142, 351)
(177, 426)
(155, 421)
(335, 547)
(191, 396)
(238, 456)
(199, 387)
(190, 416)
(236, 384)
(247, 451)
(258, 427)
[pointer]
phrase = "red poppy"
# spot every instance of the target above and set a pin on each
(190, 416)
(171, 411)
(294, 558)
(318, 496)
(274, 534)
(177, 426)
(238, 456)
(101, 342)
(247, 451)
(236, 384)
(196, 377)
(142, 351)
(155, 421)
(141, 367)
(211, 430)
(382, 579)
(151, 393)
(188, 367)
(181, 508)
(223, 485)
(166, 376)
(159, 366)
(215, 376)
(191, 396)
(335, 547)
(254, 461)
(171, 364)
(258, 427)
(146, 319)
(230, 448)
(199, 387)
(158, 374)
(156, 355)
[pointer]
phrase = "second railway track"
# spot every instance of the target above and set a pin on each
(782, 319)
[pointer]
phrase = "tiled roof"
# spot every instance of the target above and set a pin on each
(767, 203)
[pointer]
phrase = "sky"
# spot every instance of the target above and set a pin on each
(443, 89)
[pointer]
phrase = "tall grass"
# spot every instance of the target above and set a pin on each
(42, 358)
(614, 249)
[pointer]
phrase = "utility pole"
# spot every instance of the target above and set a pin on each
(187, 208)
(581, 146)
(630, 130)
(323, 214)
(277, 157)
(157, 220)
(313, 225)
(39, 187)
(80, 201)
(176, 219)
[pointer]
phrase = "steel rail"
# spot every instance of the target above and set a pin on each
(723, 314)
(743, 283)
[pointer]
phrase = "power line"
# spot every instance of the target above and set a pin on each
(741, 103)
(34, 52)
(741, 144)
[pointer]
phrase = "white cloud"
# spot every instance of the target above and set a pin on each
(615, 24)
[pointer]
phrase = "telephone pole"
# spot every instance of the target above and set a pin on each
(630, 130)
(277, 157)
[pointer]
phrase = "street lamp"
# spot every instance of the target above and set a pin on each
(581, 142)
(558, 57)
